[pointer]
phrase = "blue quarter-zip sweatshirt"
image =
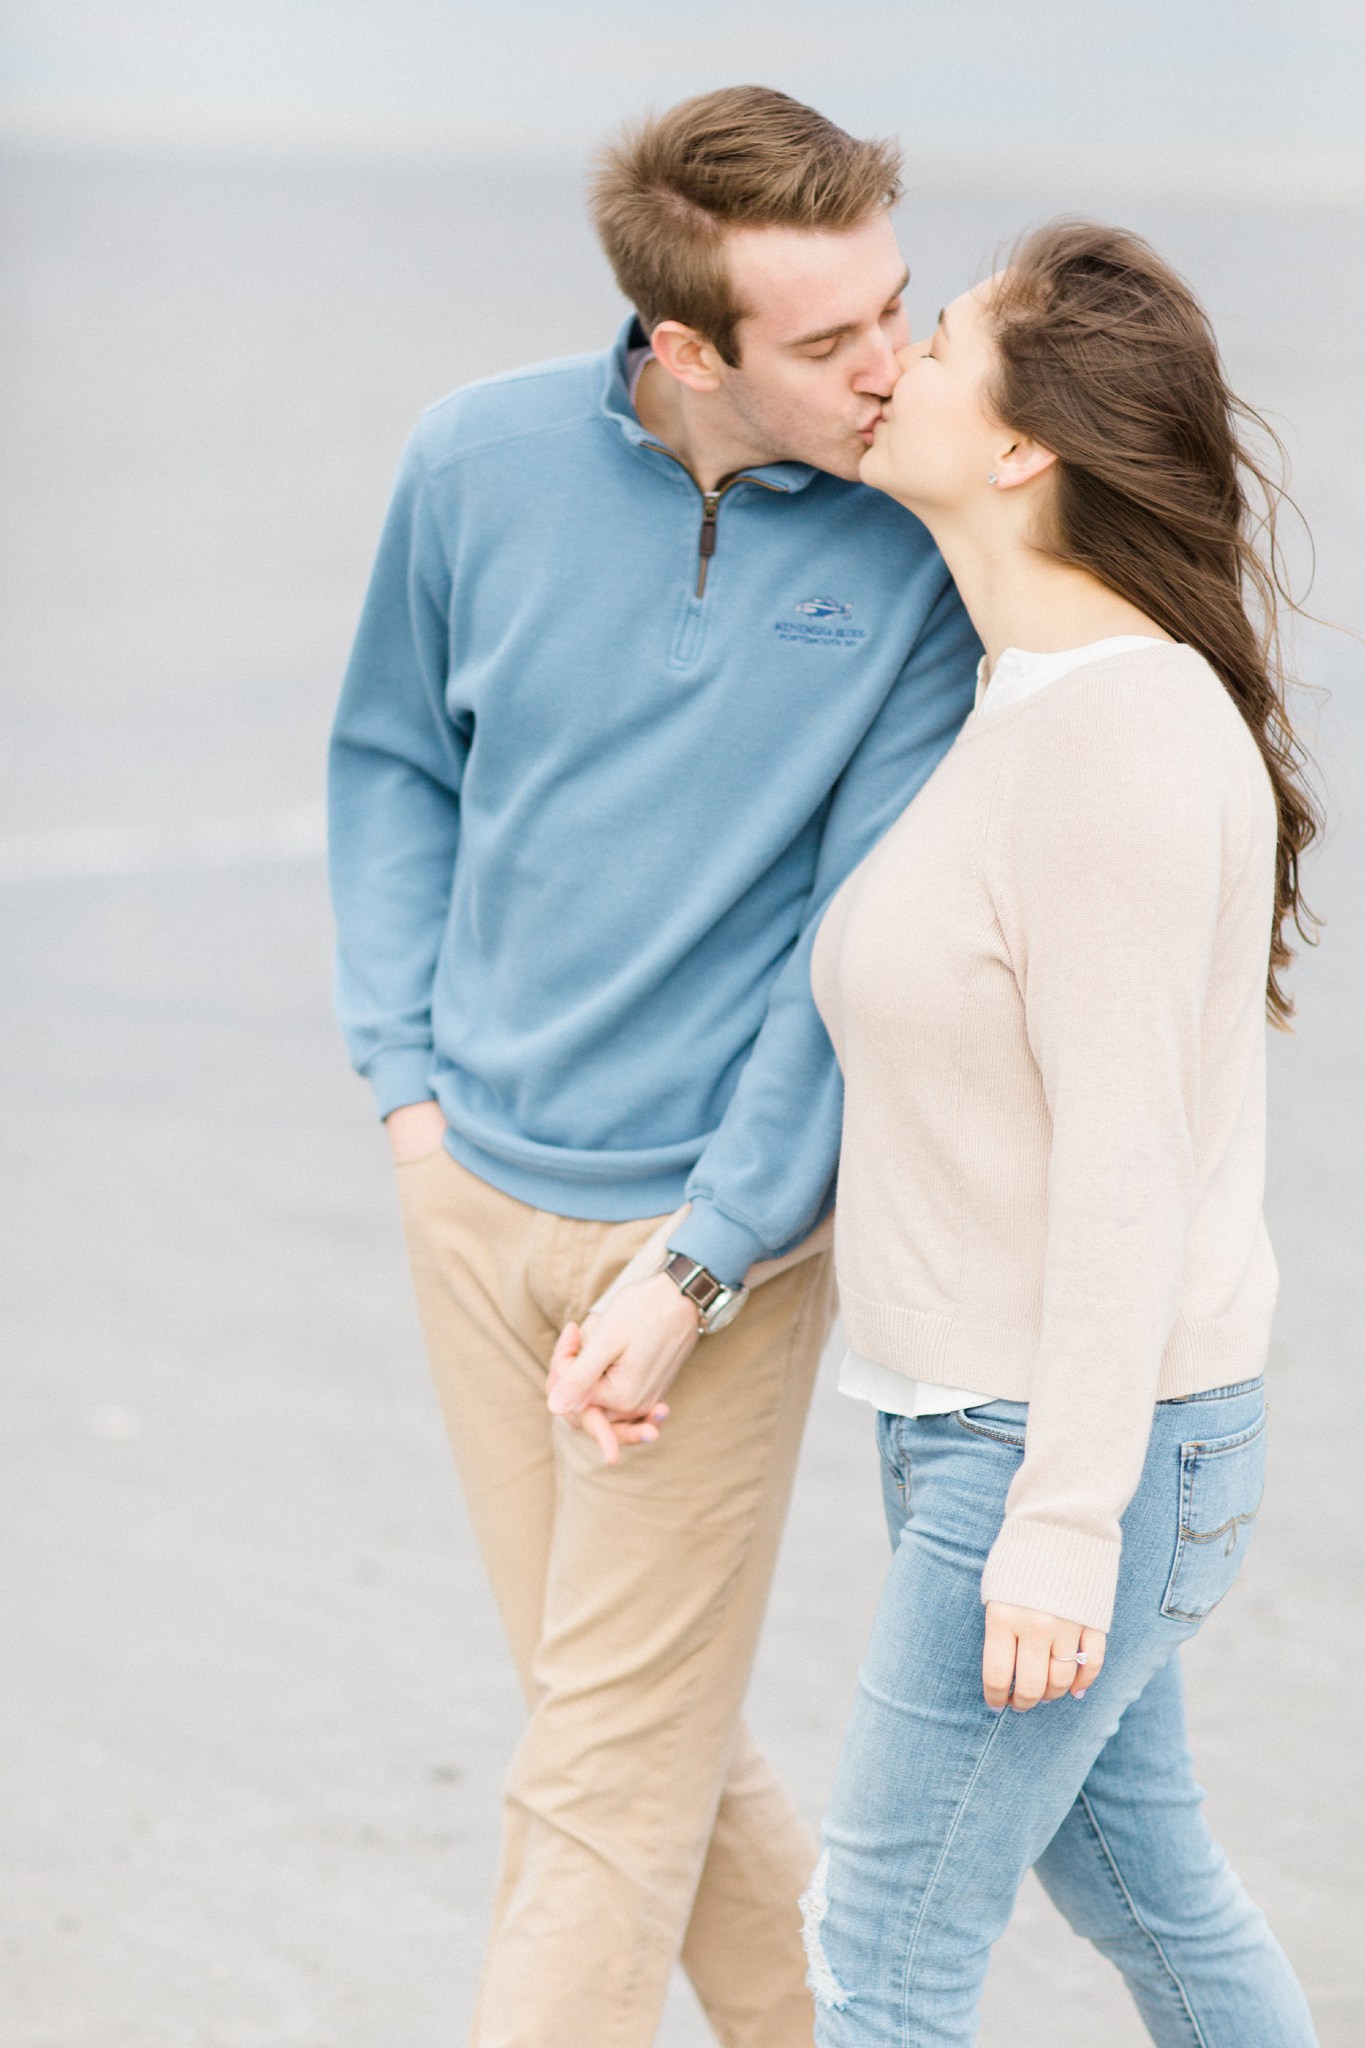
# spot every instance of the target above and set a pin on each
(604, 751)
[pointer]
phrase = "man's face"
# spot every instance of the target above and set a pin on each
(817, 353)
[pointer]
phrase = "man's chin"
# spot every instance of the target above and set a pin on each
(846, 461)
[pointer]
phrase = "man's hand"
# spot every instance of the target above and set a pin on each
(1030, 1656)
(608, 1432)
(623, 1361)
(415, 1131)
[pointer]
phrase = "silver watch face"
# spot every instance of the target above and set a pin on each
(725, 1310)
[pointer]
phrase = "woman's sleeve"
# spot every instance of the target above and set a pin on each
(1106, 868)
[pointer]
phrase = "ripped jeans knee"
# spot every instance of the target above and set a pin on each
(825, 1986)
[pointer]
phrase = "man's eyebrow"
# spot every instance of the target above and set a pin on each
(845, 326)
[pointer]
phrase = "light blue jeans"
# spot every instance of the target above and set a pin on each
(941, 1806)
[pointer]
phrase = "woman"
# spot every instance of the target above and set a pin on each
(1047, 988)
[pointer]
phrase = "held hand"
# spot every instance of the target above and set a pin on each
(1031, 1656)
(608, 1432)
(625, 1358)
(415, 1131)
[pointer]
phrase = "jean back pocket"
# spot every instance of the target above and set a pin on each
(1220, 1495)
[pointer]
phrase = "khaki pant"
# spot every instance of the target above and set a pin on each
(641, 1824)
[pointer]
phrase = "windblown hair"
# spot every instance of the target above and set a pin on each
(1108, 359)
(665, 194)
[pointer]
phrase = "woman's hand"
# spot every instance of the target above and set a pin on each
(1031, 1656)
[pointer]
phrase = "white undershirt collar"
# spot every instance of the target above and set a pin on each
(1018, 674)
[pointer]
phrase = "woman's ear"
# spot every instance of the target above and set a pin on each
(1021, 462)
(686, 355)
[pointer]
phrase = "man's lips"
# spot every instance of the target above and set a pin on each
(868, 432)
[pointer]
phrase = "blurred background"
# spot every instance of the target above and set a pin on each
(255, 1707)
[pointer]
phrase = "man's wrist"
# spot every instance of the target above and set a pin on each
(686, 1306)
(400, 1075)
(715, 1240)
(716, 1303)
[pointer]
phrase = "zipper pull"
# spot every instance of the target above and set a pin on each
(710, 507)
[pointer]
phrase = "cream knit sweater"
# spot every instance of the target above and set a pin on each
(1046, 988)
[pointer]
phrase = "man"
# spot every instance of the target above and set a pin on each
(642, 673)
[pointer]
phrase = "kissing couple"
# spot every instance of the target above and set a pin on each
(786, 749)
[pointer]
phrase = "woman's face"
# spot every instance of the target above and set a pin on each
(938, 439)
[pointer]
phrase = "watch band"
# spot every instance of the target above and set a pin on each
(714, 1302)
(699, 1285)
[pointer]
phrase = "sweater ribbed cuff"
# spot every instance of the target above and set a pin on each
(1055, 1569)
(716, 1241)
(399, 1076)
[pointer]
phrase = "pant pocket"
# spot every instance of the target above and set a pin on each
(1221, 1480)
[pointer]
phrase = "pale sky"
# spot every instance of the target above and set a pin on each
(1273, 88)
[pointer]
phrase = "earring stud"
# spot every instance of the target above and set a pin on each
(991, 478)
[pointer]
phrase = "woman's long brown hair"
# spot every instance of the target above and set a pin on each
(1108, 359)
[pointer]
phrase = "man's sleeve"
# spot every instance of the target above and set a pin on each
(767, 1175)
(393, 794)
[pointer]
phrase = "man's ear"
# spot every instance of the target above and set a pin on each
(686, 355)
(1021, 462)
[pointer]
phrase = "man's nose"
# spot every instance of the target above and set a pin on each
(882, 366)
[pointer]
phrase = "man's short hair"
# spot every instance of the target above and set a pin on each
(664, 195)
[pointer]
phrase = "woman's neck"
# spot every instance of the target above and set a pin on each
(1017, 597)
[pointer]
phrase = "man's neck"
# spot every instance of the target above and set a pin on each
(709, 447)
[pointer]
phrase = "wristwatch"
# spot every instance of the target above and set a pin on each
(715, 1303)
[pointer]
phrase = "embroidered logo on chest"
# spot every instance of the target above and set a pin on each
(820, 622)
